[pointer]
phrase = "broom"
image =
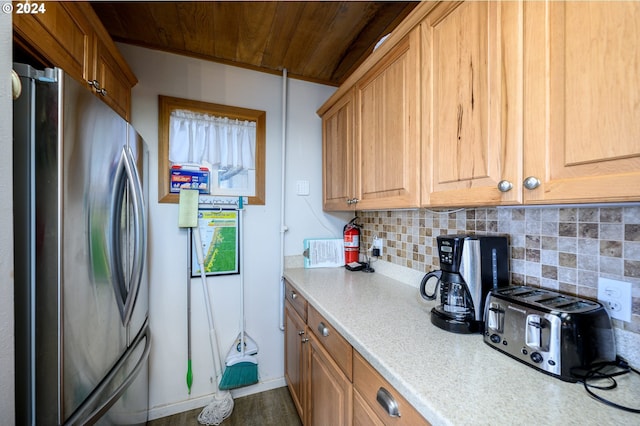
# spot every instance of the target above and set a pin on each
(242, 368)
(222, 405)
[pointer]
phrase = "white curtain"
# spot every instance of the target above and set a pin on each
(227, 145)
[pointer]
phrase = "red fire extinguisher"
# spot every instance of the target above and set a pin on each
(351, 235)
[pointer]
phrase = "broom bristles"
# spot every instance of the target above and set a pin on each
(239, 375)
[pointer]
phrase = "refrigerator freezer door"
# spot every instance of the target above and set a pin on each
(122, 397)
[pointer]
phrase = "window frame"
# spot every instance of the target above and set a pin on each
(167, 104)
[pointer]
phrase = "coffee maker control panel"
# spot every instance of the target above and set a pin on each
(446, 255)
(450, 252)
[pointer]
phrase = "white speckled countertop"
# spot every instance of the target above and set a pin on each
(451, 379)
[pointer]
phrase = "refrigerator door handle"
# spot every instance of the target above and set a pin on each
(126, 287)
(80, 416)
(140, 227)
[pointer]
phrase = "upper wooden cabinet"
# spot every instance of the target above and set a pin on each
(339, 162)
(388, 140)
(582, 101)
(371, 143)
(70, 36)
(113, 77)
(471, 103)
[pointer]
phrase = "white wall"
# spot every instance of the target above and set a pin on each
(173, 75)
(7, 411)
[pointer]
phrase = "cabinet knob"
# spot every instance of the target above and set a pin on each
(504, 186)
(352, 201)
(531, 182)
(305, 340)
(386, 400)
(323, 329)
(294, 295)
(300, 332)
(96, 85)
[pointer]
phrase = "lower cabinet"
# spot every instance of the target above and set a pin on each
(329, 389)
(295, 356)
(330, 383)
(363, 415)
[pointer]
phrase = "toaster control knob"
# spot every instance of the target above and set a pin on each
(495, 338)
(536, 357)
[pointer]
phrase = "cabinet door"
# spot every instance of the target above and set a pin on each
(114, 86)
(294, 357)
(472, 103)
(388, 131)
(61, 35)
(330, 392)
(582, 94)
(363, 415)
(339, 164)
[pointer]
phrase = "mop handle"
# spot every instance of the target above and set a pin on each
(212, 336)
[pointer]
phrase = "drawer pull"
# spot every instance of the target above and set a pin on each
(386, 400)
(294, 296)
(323, 329)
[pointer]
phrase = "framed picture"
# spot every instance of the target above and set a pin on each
(220, 242)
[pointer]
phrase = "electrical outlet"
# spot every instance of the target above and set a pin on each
(616, 298)
(377, 245)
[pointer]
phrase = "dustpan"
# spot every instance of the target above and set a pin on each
(250, 347)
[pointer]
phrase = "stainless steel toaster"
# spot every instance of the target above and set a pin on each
(552, 332)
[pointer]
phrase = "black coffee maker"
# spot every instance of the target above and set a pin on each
(469, 268)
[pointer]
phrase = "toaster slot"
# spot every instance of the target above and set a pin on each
(533, 293)
(577, 306)
(538, 334)
(556, 300)
(495, 317)
(511, 290)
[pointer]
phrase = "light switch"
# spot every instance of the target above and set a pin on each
(302, 187)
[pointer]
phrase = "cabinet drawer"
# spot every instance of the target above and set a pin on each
(298, 302)
(368, 382)
(339, 349)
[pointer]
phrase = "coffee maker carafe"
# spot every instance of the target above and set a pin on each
(469, 268)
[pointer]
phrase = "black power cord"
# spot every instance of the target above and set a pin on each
(605, 371)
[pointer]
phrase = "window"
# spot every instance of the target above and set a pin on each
(237, 162)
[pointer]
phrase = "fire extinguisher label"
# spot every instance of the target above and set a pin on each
(352, 241)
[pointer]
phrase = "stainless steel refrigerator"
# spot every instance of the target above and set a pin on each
(80, 228)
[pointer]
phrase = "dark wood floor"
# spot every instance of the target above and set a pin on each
(273, 407)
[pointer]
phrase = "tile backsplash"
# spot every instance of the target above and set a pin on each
(559, 248)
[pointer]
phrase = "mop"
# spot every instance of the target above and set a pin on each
(222, 405)
(242, 366)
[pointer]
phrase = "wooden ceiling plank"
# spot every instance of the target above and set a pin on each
(255, 25)
(196, 26)
(283, 27)
(123, 22)
(226, 30)
(167, 26)
(317, 41)
(385, 20)
(311, 27)
(345, 27)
